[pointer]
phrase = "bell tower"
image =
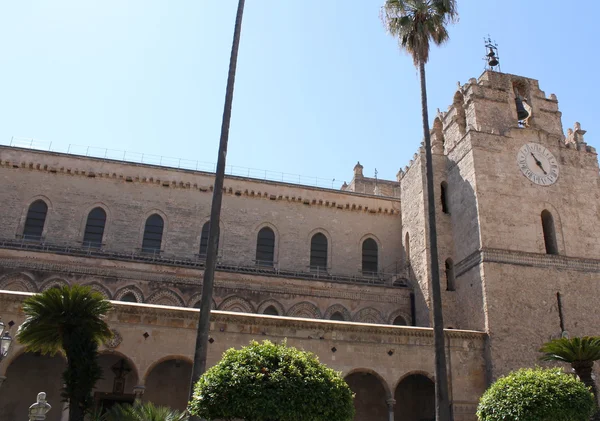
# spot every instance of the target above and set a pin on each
(519, 218)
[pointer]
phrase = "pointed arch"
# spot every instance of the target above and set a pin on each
(129, 291)
(93, 234)
(369, 315)
(36, 220)
(340, 310)
(99, 288)
(20, 281)
(166, 297)
(153, 234)
(53, 282)
(370, 256)
(444, 197)
(194, 302)
(237, 304)
(319, 251)
(265, 247)
(397, 316)
(407, 247)
(274, 304)
(304, 309)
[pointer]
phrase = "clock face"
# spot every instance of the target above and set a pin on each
(538, 164)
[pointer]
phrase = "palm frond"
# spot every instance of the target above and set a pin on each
(145, 411)
(573, 350)
(417, 23)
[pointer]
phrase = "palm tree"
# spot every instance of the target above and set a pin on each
(580, 353)
(146, 411)
(416, 23)
(199, 366)
(69, 319)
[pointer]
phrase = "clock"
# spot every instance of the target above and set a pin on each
(538, 164)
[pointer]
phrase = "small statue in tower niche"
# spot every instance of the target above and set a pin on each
(570, 137)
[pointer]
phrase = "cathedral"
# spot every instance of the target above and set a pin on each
(341, 273)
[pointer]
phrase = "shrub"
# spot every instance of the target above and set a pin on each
(536, 395)
(272, 382)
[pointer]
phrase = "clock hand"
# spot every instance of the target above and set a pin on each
(538, 163)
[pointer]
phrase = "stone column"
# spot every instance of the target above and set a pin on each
(138, 391)
(2, 378)
(390, 403)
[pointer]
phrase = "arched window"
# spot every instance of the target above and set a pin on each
(271, 311)
(36, 218)
(129, 298)
(399, 321)
(265, 247)
(318, 252)
(197, 305)
(337, 316)
(153, 234)
(204, 240)
(444, 197)
(449, 275)
(549, 233)
(94, 228)
(407, 247)
(369, 256)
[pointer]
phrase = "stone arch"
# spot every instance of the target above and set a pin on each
(384, 383)
(173, 372)
(194, 302)
(107, 358)
(236, 303)
(21, 281)
(329, 244)
(366, 237)
(99, 288)
(274, 303)
(222, 232)
(415, 397)
(413, 373)
(25, 211)
(369, 315)
(53, 282)
(371, 394)
(257, 229)
(166, 297)
(130, 289)
(142, 228)
(338, 308)
(304, 309)
(399, 313)
(85, 215)
(556, 219)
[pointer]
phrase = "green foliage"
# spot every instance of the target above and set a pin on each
(418, 22)
(145, 411)
(272, 382)
(586, 349)
(536, 395)
(69, 319)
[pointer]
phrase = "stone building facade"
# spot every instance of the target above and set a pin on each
(343, 273)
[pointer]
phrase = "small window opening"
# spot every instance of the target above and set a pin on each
(318, 252)
(204, 240)
(36, 218)
(549, 233)
(94, 228)
(129, 298)
(399, 321)
(153, 233)
(450, 275)
(265, 247)
(407, 247)
(369, 257)
(444, 198)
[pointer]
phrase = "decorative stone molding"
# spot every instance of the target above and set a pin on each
(101, 289)
(166, 298)
(276, 304)
(521, 258)
(305, 309)
(115, 341)
(338, 308)
(237, 304)
(369, 315)
(18, 282)
(397, 313)
(137, 293)
(195, 301)
(54, 282)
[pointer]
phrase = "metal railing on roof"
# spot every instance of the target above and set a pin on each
(170, 162)
(161, 258)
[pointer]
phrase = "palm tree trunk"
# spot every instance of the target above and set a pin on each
(215, 213)
(583, 369)
(442, 403)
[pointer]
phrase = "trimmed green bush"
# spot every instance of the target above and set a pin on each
(536, 395)
(272, 382)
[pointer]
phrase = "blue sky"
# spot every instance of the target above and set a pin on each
(320, 84)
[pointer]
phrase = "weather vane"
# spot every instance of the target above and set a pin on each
(491, 57)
